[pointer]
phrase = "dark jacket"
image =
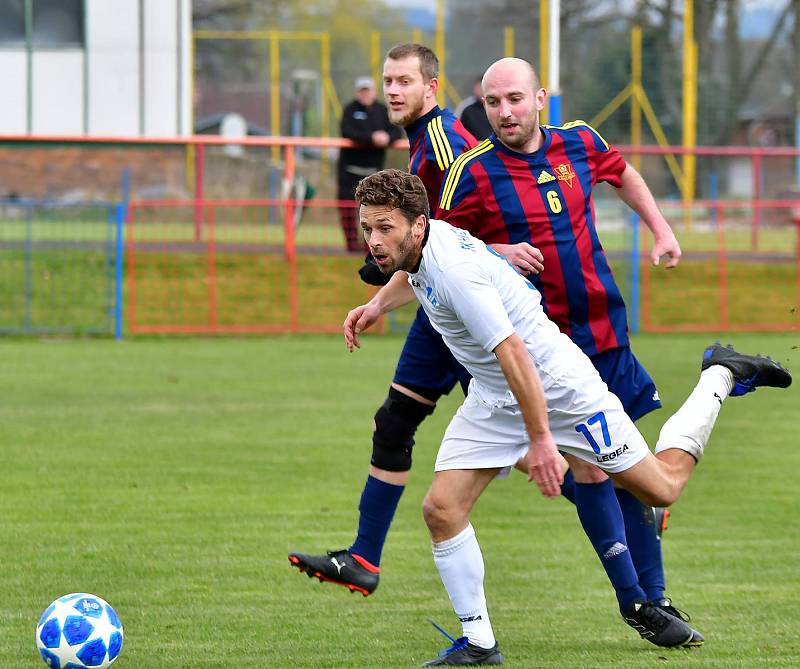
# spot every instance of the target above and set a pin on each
(474, 119)
(358, 124)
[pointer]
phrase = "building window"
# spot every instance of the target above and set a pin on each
(56, 23)
(12, 22)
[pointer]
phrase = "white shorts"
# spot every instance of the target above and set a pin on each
(586, 420)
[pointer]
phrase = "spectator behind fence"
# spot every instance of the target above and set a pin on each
(473, 115)
(366, 122)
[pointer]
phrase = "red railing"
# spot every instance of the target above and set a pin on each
(768, 279)
(718, 278)
(170, 251)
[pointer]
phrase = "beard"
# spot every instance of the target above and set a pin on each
(412, 112)
(526, 130)
(404, 259)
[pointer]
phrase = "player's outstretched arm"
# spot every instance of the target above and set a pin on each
(544, 460)
(394, 294)
(635, 193)
(526, 259)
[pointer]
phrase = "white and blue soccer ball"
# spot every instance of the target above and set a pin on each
(79, 631)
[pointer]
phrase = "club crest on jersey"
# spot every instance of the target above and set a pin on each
(564, 173)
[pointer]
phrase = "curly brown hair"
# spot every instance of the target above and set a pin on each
(395, 189)
(428, 62)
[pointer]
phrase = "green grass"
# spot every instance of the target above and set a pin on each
(172, 477)
(69, 288)
(320, 227)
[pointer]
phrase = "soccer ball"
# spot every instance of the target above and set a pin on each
(79, 631)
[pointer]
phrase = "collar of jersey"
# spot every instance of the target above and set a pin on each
(531, 157)
(415, 127)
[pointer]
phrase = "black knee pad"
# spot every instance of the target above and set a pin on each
(395, 424)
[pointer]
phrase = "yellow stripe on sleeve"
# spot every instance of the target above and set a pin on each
(574, 124)
(449, 157)
(438, 150)
(457, 168)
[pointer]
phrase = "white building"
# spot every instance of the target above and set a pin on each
(96, 67)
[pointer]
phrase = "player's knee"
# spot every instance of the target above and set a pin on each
(430, 511)
(660, 498)
(396, 423)
(663, 495)
(666, 496)
(440, 515)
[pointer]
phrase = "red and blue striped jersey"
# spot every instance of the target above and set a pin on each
(545, 198)
(435, 141)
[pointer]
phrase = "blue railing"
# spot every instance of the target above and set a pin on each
(61, 267)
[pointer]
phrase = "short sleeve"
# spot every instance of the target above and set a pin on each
(469, 292)
(607, 163)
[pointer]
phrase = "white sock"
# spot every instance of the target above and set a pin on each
(690, 426)
(460, 564)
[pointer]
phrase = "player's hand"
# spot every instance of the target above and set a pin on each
(358, 320)
(666, 245)
(525, 258)
(380, 138)
(545, 466)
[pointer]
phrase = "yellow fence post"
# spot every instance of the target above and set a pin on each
(440, 51)
(689, 108)
(326, 75)
(325, 57)
(375, 55)
(619, 99)
(661, 138)
(508, 41)
(275, 90)
(636, 78)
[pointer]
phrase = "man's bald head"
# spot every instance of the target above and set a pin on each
(511, 67)
(513, 99)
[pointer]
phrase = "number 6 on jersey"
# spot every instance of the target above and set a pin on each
(554, 202)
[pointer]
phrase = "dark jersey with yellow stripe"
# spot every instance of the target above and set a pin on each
(545, 198)
(435, 141)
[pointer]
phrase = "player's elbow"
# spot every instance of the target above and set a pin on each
(510, 346)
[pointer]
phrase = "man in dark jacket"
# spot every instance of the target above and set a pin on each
(473, 115)
(366, 122)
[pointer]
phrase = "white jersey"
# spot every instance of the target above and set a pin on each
(475, 299)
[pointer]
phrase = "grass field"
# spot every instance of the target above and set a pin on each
(172, 477)
(58, 273)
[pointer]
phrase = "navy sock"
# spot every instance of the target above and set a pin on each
(568, 487)
(376, 510)
(640, 528)
(602, 521)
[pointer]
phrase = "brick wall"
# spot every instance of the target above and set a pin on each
(89, 172)
(95, 172)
